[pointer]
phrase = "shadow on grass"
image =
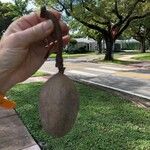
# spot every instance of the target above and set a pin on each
(123, 62)
(115, 61)
(104, 121)
(143, 57)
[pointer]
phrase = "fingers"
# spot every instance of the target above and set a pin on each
(40, 32)
(66, 40)
(36, 33)
(52, 46)
(23, 23)
(56, 13)
(34, 29)
(28, 21)
(34, 18)
(64, 28)
(65, 31)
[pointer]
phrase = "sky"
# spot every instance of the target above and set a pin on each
(29, 7)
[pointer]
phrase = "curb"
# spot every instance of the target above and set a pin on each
(138, 99)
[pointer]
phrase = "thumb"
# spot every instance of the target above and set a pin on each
(37, 32)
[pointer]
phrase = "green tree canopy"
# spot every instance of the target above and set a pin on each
(21, 7)
(11, 11)
(7, 14)
(140, 30)
(109, 17)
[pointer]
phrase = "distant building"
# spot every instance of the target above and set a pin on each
(129, 44)
(88, 43)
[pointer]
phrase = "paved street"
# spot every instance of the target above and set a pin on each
(132, 79)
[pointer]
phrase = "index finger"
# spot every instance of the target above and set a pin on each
(28, 21)
(34, 18)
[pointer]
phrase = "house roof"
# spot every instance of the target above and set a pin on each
(85, 40)
(127, 41)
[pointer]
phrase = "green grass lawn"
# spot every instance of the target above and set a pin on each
(115, 61)
(104, 121)
(145, 56)
(39, 74)
(65, 55)
(122, 62)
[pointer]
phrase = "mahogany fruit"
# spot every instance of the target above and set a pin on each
(59, 105)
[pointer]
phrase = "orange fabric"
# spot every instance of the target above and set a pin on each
(5, 103)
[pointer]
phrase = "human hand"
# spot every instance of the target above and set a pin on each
(24, 46)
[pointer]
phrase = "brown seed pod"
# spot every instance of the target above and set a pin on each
(59, 105)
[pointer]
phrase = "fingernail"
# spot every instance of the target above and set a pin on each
(48, 26)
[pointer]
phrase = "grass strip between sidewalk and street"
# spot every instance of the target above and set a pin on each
(40, 74)
(105, 121)
(143, 56)
(65, 55)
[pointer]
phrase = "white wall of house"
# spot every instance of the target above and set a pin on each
(90, 44)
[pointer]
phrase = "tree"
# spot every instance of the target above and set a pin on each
(10, 11)
(7, 14)
(109, 17)
(21, 7)
(79, 30)
(140, 30)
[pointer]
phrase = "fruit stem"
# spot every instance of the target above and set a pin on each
(58, 37)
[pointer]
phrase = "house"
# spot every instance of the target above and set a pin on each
(88, 43)
(129, 44)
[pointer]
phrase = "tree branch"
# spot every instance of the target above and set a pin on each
(91, 26)
(93, 11)
(70, 5)
(130, 20)
(131, 10)
(139, 17)
(64, 7)
(89, 9)
(99, 22)
(116, 11)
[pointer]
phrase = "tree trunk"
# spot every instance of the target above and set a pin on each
(148, 40)
(143, 48)
(99, 42)
(109, 49)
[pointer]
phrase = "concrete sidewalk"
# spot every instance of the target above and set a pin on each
(13, 134)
